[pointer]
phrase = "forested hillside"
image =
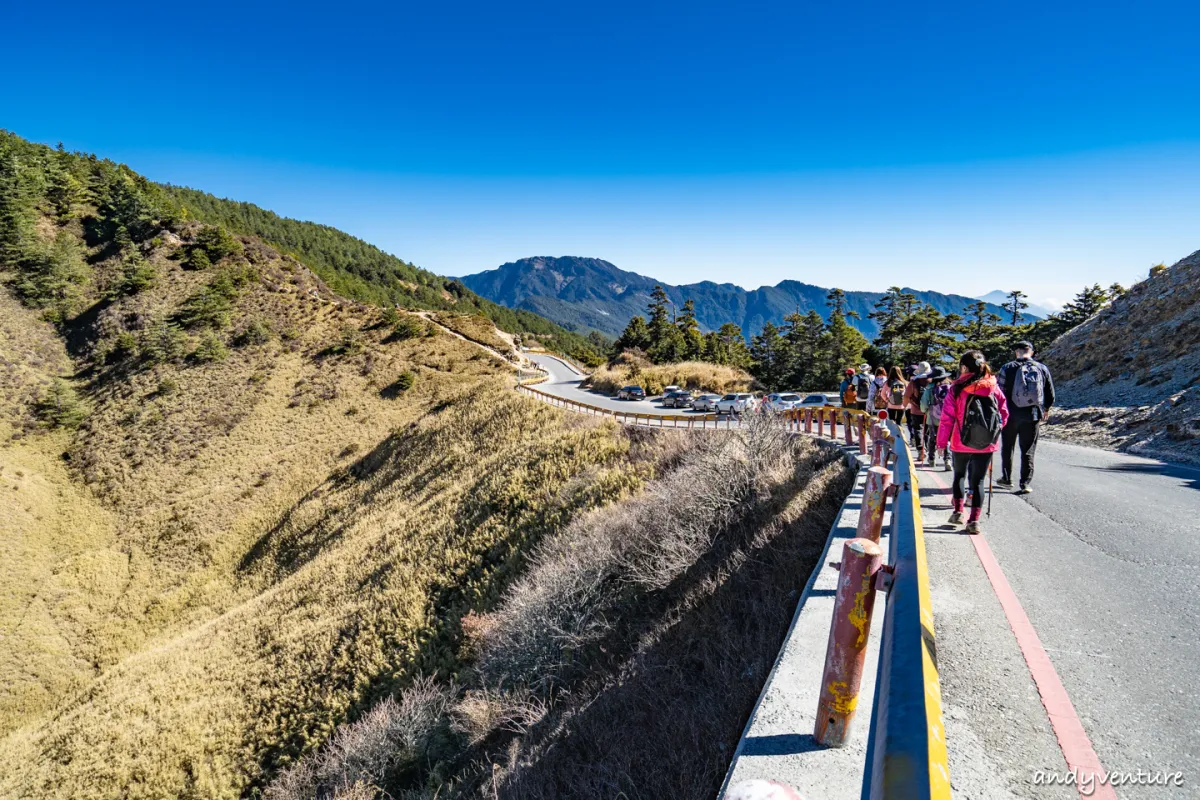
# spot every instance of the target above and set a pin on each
(237, 507)
(355, 269)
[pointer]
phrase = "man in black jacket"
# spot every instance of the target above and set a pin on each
(1029, 390)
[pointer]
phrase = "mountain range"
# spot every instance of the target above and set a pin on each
(584, 294)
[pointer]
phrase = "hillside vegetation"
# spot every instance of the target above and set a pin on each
(355, 269)
(1129, 376)
(629, 368)
(657, 619)
(237, 507)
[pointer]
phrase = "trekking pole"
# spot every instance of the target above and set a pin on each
(991, 461)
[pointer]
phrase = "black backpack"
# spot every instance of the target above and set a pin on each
(981, 426)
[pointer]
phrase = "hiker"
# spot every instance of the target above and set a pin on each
(973, 415)
(863, 384)
(912, 404)
(1029, 390)
(894, 394)
(931, 403)
(848, 391)
(876, 401)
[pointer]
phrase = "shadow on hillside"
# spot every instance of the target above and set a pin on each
(682, 672)
(80, 332)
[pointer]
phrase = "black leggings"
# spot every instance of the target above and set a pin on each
(916, 430)
(973, 468)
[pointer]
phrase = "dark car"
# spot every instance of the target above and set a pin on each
(680, 399)
(631, 393)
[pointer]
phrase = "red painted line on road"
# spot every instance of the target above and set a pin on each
(1072, 738)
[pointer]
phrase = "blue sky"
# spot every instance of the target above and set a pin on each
(952, 146)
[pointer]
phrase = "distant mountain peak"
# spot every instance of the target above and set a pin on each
(585, 294)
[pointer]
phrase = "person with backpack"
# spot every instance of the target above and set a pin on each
(894, 394)
(931, 403)
(912, 405)
(1029, 389)
(973, 415)
(848, 391)
(877, 392)
(863, 386)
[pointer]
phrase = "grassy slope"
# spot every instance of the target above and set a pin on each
(362, 271)
(228, 558)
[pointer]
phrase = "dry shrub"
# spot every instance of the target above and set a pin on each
(566, 599)
(361, 755)
(695, 375)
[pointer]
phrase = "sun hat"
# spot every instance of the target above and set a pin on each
(923, 370)
(938, 373)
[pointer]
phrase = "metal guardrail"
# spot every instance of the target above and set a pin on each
(906, 750)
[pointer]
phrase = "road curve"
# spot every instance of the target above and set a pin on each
(564, 382)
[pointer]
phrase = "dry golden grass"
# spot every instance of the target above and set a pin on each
(228, 558)
(476, 328)
(695, 375)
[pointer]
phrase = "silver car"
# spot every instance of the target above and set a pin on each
(737, 403)
(705, 402)
(781, 401)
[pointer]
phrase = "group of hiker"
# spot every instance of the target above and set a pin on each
(963, 417)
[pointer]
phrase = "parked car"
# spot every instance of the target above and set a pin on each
(821, 399)
(669, 389)
(705, 402)
(677, 399)
(631, 393)
(736, 403)
(781, 401)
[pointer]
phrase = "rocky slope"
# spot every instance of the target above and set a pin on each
(1129, 377)
(590, 293)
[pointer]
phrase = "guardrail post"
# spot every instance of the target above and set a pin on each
(833, 423)
(808, 415)
(849, 428)
(848, 633)
(875, 494)
(862, 434)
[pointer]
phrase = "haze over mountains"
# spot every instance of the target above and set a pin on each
(591, 293)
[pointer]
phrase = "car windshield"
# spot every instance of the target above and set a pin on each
(743, 396)
(815, 398)
(791, 398)
(730, 397)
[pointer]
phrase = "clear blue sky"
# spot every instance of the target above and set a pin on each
(949, 145)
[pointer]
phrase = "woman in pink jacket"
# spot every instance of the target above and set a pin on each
(975, 395)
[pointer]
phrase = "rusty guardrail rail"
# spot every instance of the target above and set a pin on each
(906, 747)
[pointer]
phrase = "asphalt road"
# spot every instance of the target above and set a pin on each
(564, 382)
(1104, 557)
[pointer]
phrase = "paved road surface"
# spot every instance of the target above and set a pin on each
(564, 382)
(1104, 557)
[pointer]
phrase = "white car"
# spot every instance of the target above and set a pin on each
(781, 401)
(671, 388)
(821, 399)
(737, 403)
(705, 402)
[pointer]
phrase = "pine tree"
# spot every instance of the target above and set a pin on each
(929, 336)
(635, 336)
(978, 321)
(1015, 304)
(843, 343)
(767, 354)
(689, 332)
(666, 343)
(890, 312)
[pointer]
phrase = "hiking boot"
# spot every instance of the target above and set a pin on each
(931, 462)
(1024, 489)
(956, 518)
(947, 466)
(920, 456)
(1005, 481)
(973, 526)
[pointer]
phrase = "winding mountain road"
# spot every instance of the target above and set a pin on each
(564, 382)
